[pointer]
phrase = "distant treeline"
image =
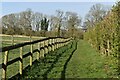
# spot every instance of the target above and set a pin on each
(65, 24)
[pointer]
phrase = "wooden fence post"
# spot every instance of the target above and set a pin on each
(21, 60)
(31, 54)
(60, 43)
(53, 46)
(66, 42)
(47, 46)
(44, 46)
(30, 38)
(5, 65)
(57, 42)
(40, 50)
(63, 43)
(43, 51)
(38, 53)
(12, 39)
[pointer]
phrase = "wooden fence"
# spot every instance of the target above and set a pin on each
(46, 45)
(13, 39)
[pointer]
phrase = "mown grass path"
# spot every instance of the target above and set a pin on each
(86, 63)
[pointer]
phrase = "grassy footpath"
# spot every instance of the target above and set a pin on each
(87, 63)
(71, 61)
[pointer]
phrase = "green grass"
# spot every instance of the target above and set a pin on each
(14, 68)
(16, 40)
(52, 65)
(87, 63)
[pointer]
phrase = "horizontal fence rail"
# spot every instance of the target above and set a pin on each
(15, 39)
(46, 44)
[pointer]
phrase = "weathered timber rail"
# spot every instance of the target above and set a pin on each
(51, 43)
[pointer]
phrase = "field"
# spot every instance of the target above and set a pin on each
(15, 39)
(54, 64)
(7, 41)
(85, 62)
(76, 60)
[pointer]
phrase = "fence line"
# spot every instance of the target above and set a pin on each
(12, 40)
(44, 46)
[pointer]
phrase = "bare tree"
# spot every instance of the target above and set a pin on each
(95, 14)
(25, 21)
(59, 21)
(37, 17)
(10, 22)
(73, 21)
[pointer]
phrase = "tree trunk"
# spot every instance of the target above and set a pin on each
(58, 35)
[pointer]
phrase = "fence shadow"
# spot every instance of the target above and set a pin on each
(45, 75)
(66, 63)
(44, 60)
(57, 55)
